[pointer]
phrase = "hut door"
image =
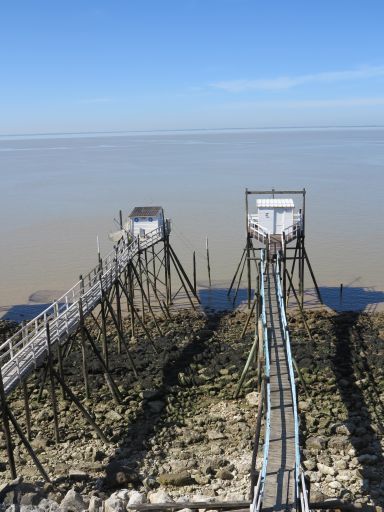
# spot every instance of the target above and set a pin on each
(278, 224)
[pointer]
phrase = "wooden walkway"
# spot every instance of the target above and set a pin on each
(27, 349)
(279, 489)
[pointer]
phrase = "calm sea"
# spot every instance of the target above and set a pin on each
(59, 192)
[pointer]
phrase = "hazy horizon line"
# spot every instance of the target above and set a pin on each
(163, 130)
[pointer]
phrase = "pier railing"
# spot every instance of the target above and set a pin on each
(259, 490)
(25, 350)
(300, 487)
(256, 230)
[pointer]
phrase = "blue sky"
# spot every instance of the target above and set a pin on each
(91, 65)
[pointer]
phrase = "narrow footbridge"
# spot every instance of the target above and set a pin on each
(28, 348)
(280, 485)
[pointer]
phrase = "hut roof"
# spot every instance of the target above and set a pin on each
(275, 203)
(146, 211)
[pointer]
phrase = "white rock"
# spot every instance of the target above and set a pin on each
(159, 497)
(95, 504)
(114, 504)
(325, 470)
(123, 495)
(73, 501)
(48, 505)
(252, 398)
(335, 485)
(137, 498)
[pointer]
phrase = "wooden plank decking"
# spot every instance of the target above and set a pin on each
(279, 489)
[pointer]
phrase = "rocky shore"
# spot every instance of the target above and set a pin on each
(179, 435)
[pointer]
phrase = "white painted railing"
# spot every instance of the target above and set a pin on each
(260, 233)
(259, 489)
(25, 350)
(300, 487)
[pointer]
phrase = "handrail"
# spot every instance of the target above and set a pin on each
(261, 232)
(259, 489)
(299, 479)
(63, 313)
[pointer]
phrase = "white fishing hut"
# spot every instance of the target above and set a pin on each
(275, 215)
(144, 219)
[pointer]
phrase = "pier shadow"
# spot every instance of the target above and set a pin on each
(124, 466)
(365, 412)
(23, 312)
(352, 298)
(217, 299)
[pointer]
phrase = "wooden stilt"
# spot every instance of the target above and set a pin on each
(52, 386)
(178, 265)
(237, 271)
(259, 417)
(138, 317)
(108, 378)
(208, 263)
(27, 409)
(144, 295)
(26, 443)
(313, 276)
(6, 429)
(81, 408)
(239, 282)
(299, 305)
(84, 351)
(182, 282)
(121, 336)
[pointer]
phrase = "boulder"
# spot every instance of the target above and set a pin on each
(72, 502)
(177, 479)
(114, 504)
(159, 497)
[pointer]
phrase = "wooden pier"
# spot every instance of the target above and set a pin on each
(279, 487)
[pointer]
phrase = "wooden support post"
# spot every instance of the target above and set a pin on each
(27, 410)
(249, 282)
(259, 417)
(239, 282)
(121, 336)
(251, 356)
(84, 351)
(194, 272)
(184, 274)
(237, 271)
(52, 386)
(249, 317)
(81, 408)
(182, 282)
(110, 382)
(43, 375)
(147, 301)
(292, 269)
(6, 429)
(208, 263)
(119, 315)
(104, 328)
(301, 263)
(130, 299)
(313, 276)
(138, 316)
(163, 306)
(146, 273)
(154, 269)
(26, 443)
(299, 304)
(300, 375)
(61, 368)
